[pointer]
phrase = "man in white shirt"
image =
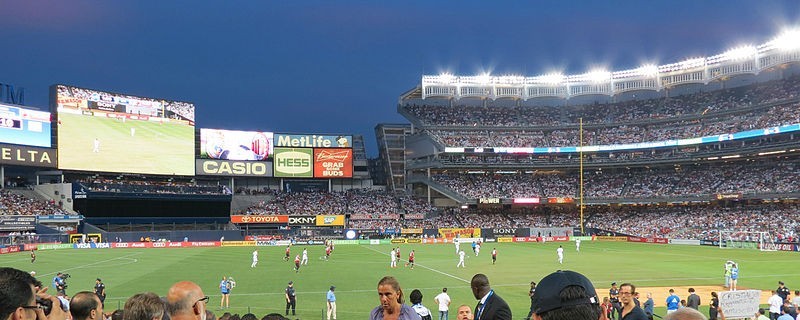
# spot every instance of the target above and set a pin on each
(393, 264)
(305, 256)
(255, 259)
(775, 303)
(443, 300)
(578, 245)
(560, 252)
(461, 259)
(458, 244)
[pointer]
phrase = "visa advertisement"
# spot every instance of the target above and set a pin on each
(294, 162)
(24, 127)
(333, 163)
(313, 141)
(235, 145)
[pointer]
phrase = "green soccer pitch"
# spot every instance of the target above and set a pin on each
(133, 146)
(356, 269)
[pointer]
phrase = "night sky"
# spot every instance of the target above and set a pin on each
(340, 66)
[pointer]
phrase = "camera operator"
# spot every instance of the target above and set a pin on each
(60, 283)
(100, 291)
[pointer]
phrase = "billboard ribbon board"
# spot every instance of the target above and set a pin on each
(294, 162)
(330, 220)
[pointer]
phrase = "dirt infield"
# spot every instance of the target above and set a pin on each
(660, 294)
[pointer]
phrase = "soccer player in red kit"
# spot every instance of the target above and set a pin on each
(410, 259)
(328, 252)
(297, 263)
(286, 258)
(494, 255)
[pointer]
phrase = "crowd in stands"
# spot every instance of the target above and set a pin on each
(690, 116)
(780, 221)
(355, 201)
(15, 204)
(698, 104)
(745, 177)
(100, 184)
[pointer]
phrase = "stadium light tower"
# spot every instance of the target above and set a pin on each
(446, 78)
(599, 75)
(648, 70)
(485, 78)
(552, 78)
(741, 53)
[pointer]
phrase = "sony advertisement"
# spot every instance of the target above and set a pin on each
(313, 141)
(235, 145)
(24, 126)
(112, 132)
(211, 167)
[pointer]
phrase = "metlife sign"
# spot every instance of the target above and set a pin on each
(294, 162)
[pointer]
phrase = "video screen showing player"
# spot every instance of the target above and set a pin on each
(112, 132)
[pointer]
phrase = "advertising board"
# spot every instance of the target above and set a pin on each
(294, 162)
(313, 141)
(333, 163)
(211, 167)
(28, 156)
(284, 219)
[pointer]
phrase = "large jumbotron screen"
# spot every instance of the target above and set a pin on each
(111, 132)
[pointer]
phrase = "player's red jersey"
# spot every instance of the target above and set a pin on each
(328, 250)
(297, 259)
(411, 256)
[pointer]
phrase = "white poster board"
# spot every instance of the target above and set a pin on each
(742, 304)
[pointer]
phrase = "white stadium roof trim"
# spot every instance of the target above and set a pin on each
(738, 61)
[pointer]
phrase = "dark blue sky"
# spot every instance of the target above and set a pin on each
(340, 66)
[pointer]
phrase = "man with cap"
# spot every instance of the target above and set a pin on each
(331, 303)
(291, 298)
(566, 295)
(783, 291)
(630, 311)
(490, 305)
(613, 296)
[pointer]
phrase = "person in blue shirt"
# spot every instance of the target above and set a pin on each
(673, 301)
(225, 289)
(734, 276)
(331, 303)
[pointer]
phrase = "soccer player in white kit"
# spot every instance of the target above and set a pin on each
(393, 264)
(305, 256)
(477, 249)
(255, 259)
(560, 252)
(461, 259)
(458, 244)
(577, 244)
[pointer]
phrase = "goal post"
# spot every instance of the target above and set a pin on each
(759, 240)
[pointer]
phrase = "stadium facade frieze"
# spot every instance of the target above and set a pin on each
(28, 156)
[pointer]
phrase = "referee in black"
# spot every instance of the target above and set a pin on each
(291, 298)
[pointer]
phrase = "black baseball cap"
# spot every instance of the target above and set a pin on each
(291, 282)
(333, 287)
(549, 288)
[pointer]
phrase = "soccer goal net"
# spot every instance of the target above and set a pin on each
(746, 240)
